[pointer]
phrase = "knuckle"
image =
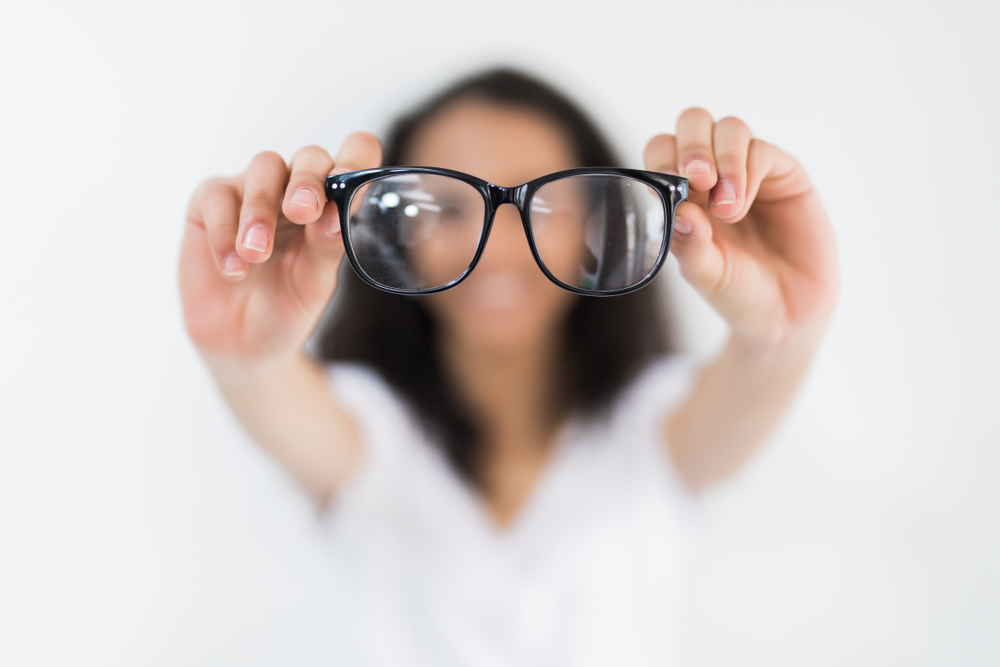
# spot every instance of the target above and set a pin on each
(729, 158)
(733, 123)
(696, 114)
(311, 149)
(693, 146)
(759, 153)
(730, 169)
(660, 144)
(695, 142)
(759, 147)
(724, 277)
(661, 153)
(311, 155)
(215, 189)
(366, 138)
(268, 159)
(697, 273)
(259, 208)
(365, 142)
(206, 187)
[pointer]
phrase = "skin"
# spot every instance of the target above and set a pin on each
(261, 252)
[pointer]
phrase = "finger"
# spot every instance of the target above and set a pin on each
(305, 194)
(215, 207)
(695, 155)
(661, 154)
(262, 195)
(773, 174)
(701, 261)
(315, 272)
(199, 281)
(731, 140)
(360, 150)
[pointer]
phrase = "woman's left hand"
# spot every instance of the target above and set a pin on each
(753, 238)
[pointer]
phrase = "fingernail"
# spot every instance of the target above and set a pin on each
(682, 226)
(256, 238)
(306, 198)
(697, 166)
(333, 226)
(723, 193)
(232, 265)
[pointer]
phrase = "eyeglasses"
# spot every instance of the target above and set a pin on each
(419, 230)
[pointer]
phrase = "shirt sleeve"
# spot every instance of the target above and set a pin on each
(640, 414)
(386, 427)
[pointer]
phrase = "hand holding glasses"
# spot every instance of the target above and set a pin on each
(419, 230)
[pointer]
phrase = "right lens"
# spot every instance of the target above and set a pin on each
(416, 232)
(598, 232)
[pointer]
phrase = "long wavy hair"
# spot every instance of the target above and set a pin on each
(606, 342)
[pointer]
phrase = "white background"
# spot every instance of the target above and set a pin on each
(139, 526)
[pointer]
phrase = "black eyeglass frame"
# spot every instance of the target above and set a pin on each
(341, 188)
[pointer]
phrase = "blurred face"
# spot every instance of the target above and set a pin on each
(506, 304)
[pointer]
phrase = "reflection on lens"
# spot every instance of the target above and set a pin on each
(416, 231)
(598, 232)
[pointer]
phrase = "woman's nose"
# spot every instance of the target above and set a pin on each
(507, 243)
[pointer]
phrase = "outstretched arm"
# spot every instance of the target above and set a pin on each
(755, 241)
(258, 266)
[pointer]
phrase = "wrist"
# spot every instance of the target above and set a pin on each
(792, 346)
(230, 372)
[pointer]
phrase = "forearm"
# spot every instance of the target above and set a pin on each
(734, 406)
(286, 407)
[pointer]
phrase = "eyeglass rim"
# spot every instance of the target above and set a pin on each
(341, 188)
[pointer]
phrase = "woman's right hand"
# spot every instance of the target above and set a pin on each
(261, 252)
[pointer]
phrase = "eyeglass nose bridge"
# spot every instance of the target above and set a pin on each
(500, 195)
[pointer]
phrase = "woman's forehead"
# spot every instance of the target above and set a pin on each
(506, 145)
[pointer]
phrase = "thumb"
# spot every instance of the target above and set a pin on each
(314, 274)
(701, 261)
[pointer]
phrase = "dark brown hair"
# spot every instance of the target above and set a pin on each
(606, 341)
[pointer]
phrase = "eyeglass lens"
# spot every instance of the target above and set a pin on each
(598, 232)
(421, 231)
(416, 231)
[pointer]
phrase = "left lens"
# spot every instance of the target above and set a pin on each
(598, 232)
(415, 232)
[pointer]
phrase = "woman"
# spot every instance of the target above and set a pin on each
(510, 463)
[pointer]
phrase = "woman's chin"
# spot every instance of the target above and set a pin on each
(503, 338)
(508, 328)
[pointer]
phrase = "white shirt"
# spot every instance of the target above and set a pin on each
(587, 574)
